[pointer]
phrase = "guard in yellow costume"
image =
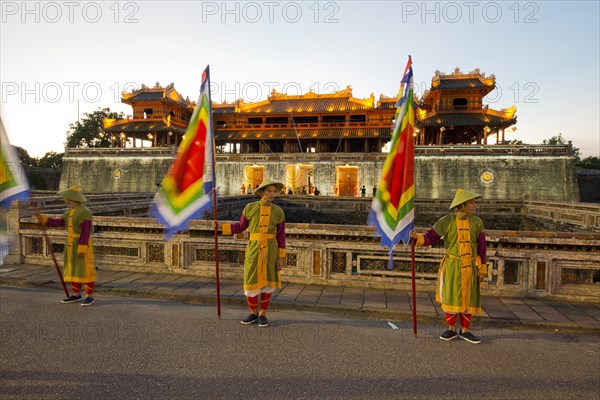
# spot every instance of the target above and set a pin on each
(464, 265)
(79, 267)
(265, 252)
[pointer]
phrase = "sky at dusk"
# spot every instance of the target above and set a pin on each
(59, 60)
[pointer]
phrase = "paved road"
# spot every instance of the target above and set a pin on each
(133, 348)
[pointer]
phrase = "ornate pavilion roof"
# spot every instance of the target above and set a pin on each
(279, 103)
(143, 126)
(156, 93)
(468, 83)
(466, 119)
(460, 80)
(487, 116)
(457, 80)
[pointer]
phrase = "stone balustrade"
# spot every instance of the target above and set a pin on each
(584, 216)
(536, 264)
(448, 150)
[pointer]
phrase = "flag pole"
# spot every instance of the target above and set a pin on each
(214, 198)
(392, 210)
(414, 291)
(216, 229)
(49, 244)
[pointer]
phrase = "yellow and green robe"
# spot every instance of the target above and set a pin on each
(266, 225)
(78, 221)
(458, 285)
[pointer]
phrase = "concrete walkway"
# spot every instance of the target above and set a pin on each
(394, 305)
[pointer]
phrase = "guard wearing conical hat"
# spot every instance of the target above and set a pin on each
(79, 266)
(265, 252)
(463, 267)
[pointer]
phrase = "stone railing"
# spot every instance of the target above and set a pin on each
(448, 150)
(535, 264)
(121, 152)
(584, 216)
(101, 204)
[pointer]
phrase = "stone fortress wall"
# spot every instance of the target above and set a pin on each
(497, 172)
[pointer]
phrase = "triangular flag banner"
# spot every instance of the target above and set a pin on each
(13, 180)
(185, 191)
(392, 209)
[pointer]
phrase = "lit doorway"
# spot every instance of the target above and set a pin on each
(300, 178)
(347, 180)
(253, 177)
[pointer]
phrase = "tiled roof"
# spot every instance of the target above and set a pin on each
(152, 96)
(316, 105)
(461, 84)
(303, 134)
(465, 119)
(134, 126)
(145, 96)
(223, 110)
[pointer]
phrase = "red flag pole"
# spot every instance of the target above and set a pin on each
(216, 230)
(414, 291)
(49, 244)
(214, 202)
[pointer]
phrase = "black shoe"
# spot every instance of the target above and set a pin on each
(448, 335)
(71, 299)
(88, 301)
(250, 319)
(469, 337)
(262, 321)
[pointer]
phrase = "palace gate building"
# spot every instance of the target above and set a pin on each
(332, 142)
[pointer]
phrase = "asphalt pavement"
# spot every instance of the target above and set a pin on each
(366, 303)
(140, 348)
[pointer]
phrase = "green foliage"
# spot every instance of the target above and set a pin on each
(555, 140)
(35, 177)
(513, 142)
(36, 181)
(26, 160)
(85, 133)
(51, 160)
(588, 163)
(561, 140)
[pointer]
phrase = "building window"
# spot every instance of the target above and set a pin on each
(255, 120)
(540, 275)
(512, 272)
(277, 120)
(306, 120)
(358, 118)
(148, 113)
(460, 103)
(334, 118)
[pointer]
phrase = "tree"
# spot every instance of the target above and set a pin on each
(86, 133)
(513, 142)
(589, 163)
(560, 140)
(51, 160)
(26, 160)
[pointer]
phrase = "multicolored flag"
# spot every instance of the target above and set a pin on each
(393, 210)
(185, 191)
(13, 181)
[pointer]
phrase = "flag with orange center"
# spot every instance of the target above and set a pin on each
(186, 190)
(392, 210)
(13, 180)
